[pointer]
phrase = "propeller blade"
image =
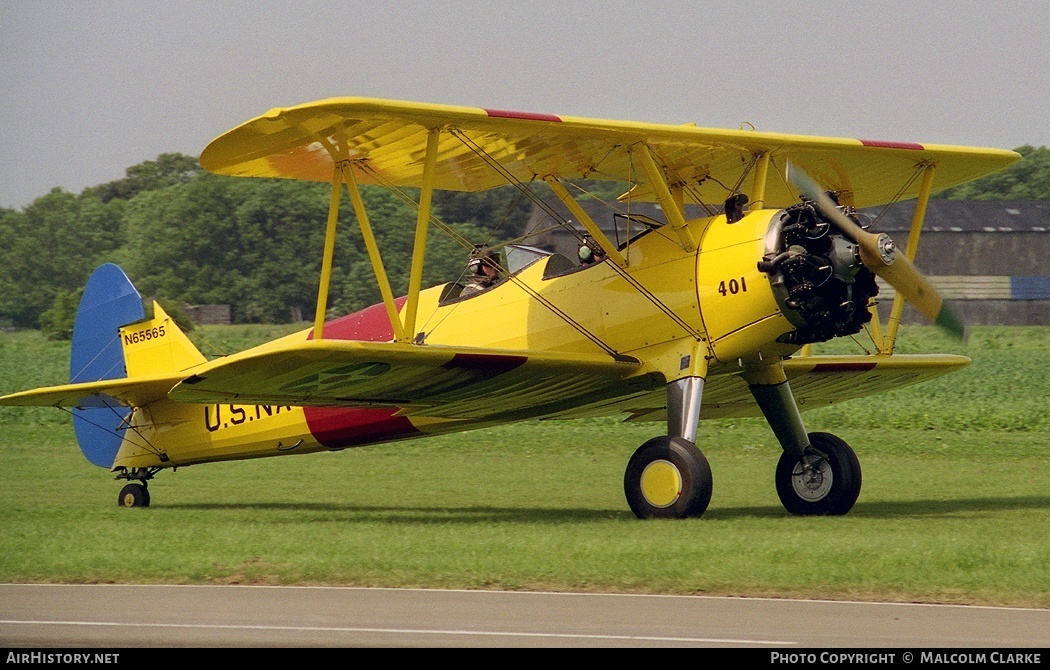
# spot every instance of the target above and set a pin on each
(879, 254)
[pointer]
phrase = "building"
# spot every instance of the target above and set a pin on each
(989, 257)
(208, 314)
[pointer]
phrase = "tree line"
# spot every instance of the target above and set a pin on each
(186, 237)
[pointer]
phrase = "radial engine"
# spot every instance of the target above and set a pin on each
(816, 275)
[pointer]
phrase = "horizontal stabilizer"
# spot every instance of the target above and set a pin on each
(136, 392)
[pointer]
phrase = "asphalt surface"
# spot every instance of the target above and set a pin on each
(130, 616)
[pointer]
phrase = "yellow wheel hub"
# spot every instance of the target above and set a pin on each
(661, 483)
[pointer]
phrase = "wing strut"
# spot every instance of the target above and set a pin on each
(672, 209)
(758, 194)
(373, 250)
(329, 252)
(419, 249)
(917, 219)
(343, 172)
(585, 220)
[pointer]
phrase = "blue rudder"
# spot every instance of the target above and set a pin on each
(110, 301)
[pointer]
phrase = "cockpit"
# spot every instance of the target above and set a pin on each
(513, 259)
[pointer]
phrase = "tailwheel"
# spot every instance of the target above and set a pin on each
(668, 478)
(134, 495)
(824, 481)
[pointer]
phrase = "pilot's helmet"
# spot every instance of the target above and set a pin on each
(586, 253)
(479, 258)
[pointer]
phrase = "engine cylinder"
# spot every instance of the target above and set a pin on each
(816, 275)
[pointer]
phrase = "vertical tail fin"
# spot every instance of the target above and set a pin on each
(112, 339)
(157, 345)
(109, 302)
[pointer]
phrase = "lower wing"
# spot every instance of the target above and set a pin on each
(432, 380)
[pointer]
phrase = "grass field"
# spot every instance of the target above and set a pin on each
(955, 505)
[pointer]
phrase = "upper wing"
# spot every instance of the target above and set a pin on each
(386, 141)
(433, 380)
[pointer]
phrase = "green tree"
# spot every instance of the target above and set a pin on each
(9, 282)
(256, 244)
(504, 210)
(1027, 179)
(281, 228)
(167, 170)
(52, 246)
(182, 242)
(57, 321)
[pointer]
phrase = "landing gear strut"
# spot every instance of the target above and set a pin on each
(818, 473)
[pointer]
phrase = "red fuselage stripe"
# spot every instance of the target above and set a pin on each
(338, 427)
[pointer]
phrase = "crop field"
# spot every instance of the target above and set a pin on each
(955, 504)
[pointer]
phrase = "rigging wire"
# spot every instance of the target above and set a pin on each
(144, 444)
(513, 180)
(649, 295)
(514, 279)
(555, 216)
(115, 338)
(919, 169)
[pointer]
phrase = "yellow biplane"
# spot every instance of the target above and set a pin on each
(687, 317)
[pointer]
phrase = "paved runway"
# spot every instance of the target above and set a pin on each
(128, 616)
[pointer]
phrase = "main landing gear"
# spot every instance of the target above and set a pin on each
(135, 494)
(668, 477)
(818, 473)
(824, 480)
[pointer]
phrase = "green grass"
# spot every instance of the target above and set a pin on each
(955, 505)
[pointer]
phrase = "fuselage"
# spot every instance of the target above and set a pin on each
(666, 304)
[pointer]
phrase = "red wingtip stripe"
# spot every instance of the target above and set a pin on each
(893, 145)
(527, 116)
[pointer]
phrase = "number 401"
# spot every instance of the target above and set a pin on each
(732, 286)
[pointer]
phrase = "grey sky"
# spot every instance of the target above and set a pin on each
(89, 88)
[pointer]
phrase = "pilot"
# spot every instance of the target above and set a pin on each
(485, 271)
(734, 207)
(590, 252)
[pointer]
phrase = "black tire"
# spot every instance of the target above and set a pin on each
(831, 485)
(133, 495)
(667, 478)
